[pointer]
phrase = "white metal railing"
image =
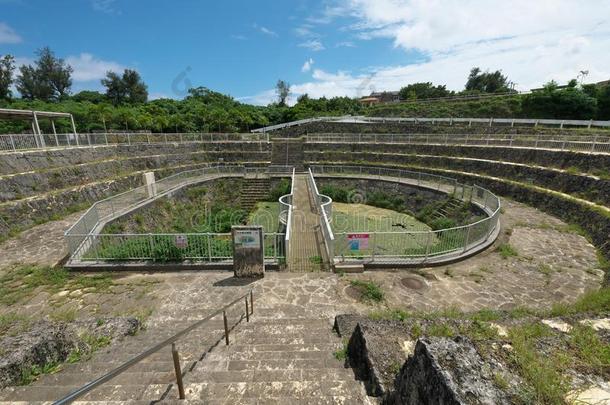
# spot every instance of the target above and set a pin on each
(15, 142)
(86, 242)
(487, 121)
(571, 142)
(286, 210)
(323, 205)
(418, 246)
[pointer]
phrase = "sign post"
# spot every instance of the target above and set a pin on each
(248, 251)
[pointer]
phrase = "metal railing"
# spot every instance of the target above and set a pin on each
(86, 242)
(449, 120)
(286, 210)
(581, 143)
(15, 142)
(323, 205)
(249, 311)
(417, 246)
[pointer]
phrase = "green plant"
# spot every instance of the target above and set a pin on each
(369, 290)
(507, 251)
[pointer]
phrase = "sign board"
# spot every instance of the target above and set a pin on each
(358, 241)
(247, 238)
(181, 241)
(248, 251)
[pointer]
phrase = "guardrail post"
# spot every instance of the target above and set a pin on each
(466, 240)
(12, 142)
(128, 139)
(594, 142)
(247, 310)
(224, 318)
(178, 371)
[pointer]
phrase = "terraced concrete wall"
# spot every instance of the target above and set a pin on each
(37, 186)
(585, 162)
(395, 127)
(588, 187)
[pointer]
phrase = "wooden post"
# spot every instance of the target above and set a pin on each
(247, 310)
(178, 371)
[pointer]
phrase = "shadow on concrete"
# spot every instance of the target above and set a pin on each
(235, 282)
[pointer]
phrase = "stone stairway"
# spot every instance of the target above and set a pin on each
(254, 190)
(276, 358)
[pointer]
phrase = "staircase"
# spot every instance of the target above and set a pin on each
(288, 152)
(447, 209)
(272, 359)
(254, 190)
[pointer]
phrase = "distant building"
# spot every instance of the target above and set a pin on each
(381, 97)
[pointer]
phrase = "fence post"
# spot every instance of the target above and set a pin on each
(594, 142)
(224, 318)
(128, 139)
(178, 371)
(12, 142)
(466, 240)
(251, 302)
(209, 248)
(247, 310)
(152, 244)
(106, 137)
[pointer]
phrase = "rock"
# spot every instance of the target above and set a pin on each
(502, 332)
(558, 325)
(597, 324)
(345, 324)
(595, 395)
(49, 342)
(445, 371)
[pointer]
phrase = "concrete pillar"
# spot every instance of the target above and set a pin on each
(150, 183)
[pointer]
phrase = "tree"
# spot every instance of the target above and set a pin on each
(136, 90)
(49, 79)
(422, 91)
(487, 82)
(115, 90)
(7, 67)
(282, 89)
(128, 88)
(94, 97)
(566, 103)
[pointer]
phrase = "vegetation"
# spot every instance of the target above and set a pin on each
(506, 251)
(370, 291)
(46, 85)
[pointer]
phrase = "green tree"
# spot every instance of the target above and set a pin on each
(423, 90)
(7, 67)
(603, 103)
(282, 89)
(487, 82)
(50, 79)
(136, 90)
(552, 102)
(115, 90)
(93, 97)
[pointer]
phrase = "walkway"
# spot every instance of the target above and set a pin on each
(306, 241)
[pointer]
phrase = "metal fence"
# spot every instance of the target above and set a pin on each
(324, 206)
(15, 142)
(572, 142)
(86, 242)
(449, 120)
(411, 247)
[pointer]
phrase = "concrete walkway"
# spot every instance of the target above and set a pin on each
(306, 243)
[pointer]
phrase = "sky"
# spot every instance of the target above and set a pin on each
(321, 47)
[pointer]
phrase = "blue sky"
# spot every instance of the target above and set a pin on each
(322, 47)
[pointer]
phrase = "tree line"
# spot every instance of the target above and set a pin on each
(124, 105)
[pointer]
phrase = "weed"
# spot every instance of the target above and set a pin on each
(591, 351)
(369, 290)
(507, 251)
(341, 354)
(31, 374)
(440, 330)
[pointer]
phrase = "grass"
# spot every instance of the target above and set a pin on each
(32, 373)
(266, 214)
(506, 251)
(370, 290)
(341, 354)
(20, 282)
(592, 354)
(365, 218)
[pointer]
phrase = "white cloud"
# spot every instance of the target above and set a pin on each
(88, 68)
(265, 30)
(8, 35)
(313, 44)
(345, 44)
(239, 37)
(307, 65)
(530, 41)
(105, 6)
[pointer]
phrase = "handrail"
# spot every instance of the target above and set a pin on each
(128, 364)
